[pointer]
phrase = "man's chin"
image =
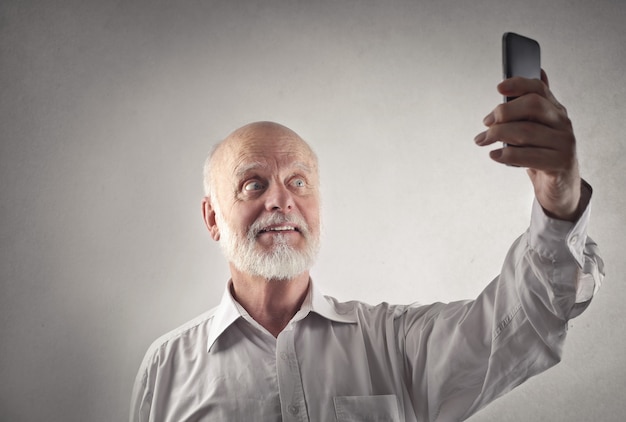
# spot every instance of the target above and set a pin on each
(279, 265)
(277, 275)
(281, 279)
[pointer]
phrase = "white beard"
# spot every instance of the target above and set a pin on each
(282, 262)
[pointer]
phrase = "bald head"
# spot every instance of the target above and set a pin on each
(267, 130)
(248, 141)
(262, 201)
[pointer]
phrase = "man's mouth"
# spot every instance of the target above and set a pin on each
(283, 228)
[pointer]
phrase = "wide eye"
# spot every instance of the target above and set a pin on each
(298, 183)
(252, 186)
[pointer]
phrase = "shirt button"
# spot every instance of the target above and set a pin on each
(573, 240)
(284, 356)
(293, 409)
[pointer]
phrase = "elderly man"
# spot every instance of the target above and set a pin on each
(277, 349)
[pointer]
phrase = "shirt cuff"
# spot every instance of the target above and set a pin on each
(549, 235)
(560, 241)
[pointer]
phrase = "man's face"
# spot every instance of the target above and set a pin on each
(268, 210)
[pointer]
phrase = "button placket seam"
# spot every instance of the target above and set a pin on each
(290, 379)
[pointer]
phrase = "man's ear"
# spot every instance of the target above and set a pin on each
(208, 215)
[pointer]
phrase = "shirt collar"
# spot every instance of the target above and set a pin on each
(328, 307)
(228, 311)
(225, 314)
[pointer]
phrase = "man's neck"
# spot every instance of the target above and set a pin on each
(271, 303)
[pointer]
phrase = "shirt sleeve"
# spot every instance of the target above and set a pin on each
(141, 399)
(461, 356)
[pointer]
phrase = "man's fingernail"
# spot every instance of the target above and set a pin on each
(495, 154)
(489, 119)
(480, 138)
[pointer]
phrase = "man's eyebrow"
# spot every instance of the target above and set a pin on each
(302, 166)
(244, 169)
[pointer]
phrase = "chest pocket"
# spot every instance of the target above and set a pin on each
(367, 408)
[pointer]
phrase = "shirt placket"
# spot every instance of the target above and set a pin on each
(292, 401)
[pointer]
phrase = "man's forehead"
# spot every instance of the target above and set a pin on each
(262, 145)
(257, 153)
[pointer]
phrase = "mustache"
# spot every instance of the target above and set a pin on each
(277, 219)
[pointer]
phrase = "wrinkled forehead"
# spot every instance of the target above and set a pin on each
(280, 152)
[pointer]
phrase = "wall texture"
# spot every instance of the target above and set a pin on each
(107, 110)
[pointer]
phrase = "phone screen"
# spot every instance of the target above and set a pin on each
(521, 56)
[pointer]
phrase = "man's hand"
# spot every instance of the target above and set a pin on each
(540, 137)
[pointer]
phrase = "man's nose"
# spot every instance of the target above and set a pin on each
(278, 198)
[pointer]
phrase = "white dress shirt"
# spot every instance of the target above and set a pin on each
(354, 362)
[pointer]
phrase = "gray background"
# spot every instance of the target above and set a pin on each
(107, 110)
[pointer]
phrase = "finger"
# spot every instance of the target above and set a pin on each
(518, 86)
(524, 134)
(530, 107)
(532, 158)
(481, 139)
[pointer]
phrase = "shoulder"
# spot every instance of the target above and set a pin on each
(363, 311)
(167, 356)
(389, 323)
(192, 334)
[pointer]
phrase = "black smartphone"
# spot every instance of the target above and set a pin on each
(521, 56)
